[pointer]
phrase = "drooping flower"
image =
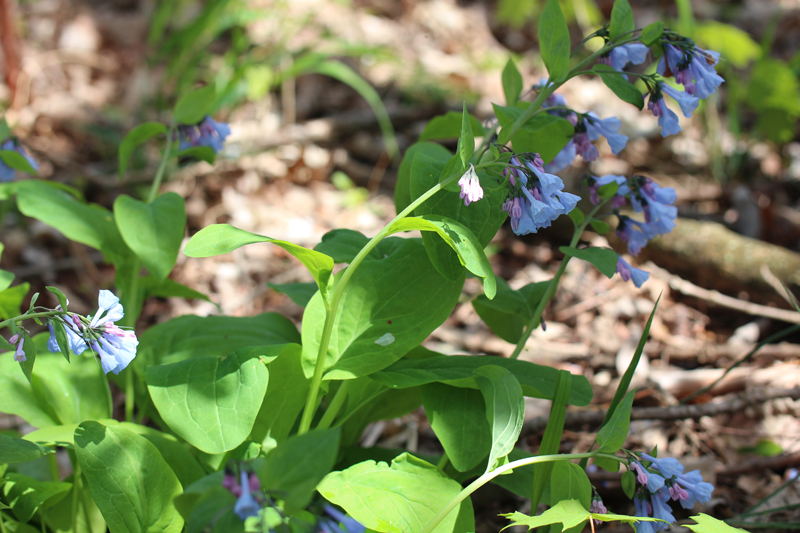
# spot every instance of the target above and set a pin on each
(597, 507)
(563, 159)
(692, 67)
(687, 102)
(471, 190)
(628, 273)
(667, 120)
(696, 490)
(619, 57)
(339, 522)
(661, 510)
(630, 231)
(608, 128)
(208, 132)
(6, 172)
(668, 466)
(643, 510)
(656, 203)
(245, 506)
(584, 147)
(19, 340)
(535, 198)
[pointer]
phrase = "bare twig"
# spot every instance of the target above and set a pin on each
(728, 404)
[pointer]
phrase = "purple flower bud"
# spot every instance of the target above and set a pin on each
(19, 355)
(207, 133)
(585, 148)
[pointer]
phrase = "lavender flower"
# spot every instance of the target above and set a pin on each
(208, 132)
(619, 57)
(19, 340)
(628, 273)
(693, 488)
(6, 172)
(608, 128)
(585, 148)
(668, 466)
(643, 510)
(563, 159)
(692, 67)
(471, 190)
(667, 120)
(597, 507)
(630, 231)
(246, 506)
(687, 102)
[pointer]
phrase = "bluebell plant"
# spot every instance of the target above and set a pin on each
(7, 173)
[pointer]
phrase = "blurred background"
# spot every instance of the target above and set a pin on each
(324, 96)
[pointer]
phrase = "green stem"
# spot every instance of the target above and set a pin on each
(43, 314)
(330, 315)
(533, 323)
(442, 464)
(487, 477)
(335, 406)
(52, 462)
(76, 476)
(162, 166)
(129, 393)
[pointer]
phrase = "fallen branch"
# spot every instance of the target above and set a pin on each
(673, 412)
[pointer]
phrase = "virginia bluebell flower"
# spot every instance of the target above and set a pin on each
(208, 132)
(6, 172)
(338, 522)
(656, 203)
(619, 57)
(471, 190)
(628, 273)
(619, 199)
(584, 147)
(115, 347)
(608, 128)
(668, 466)
(644, 510)
(667, 120)
(693, 489)
(535, 197)
(597, 507)
(246, 506)
(19, 340)
(563, 159)
(692, 67)
(630, 231)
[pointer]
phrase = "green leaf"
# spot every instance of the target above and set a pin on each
(773, 85)
(466, 141)
(554, 42)
(608, 190)
(577, 216)
(437, 152)
(295, 467)
(734, 44)
(512, 82)
(652, 33)
(200, 153)
(570, 513)
(505, 409)
(569, 482)
(26, 495)
(709, 524)
(461, 240)
(6, 278)
(169, 288)
(285, 398)
(458, 417)
(62, 300)
(400, 299)
(621, 20)
(11, 300)
(377, 494)
(17, 397)
(193, 106)
(600, 227)
(87, 224)
(213, 512)
(5, 131)
(612, 435)
(30, 353)
(506, 314)
(134, 138)
(16, 450)
(603, 259)
(447, 126)
(551, 440)
(193, 336)
(614, 80)
(543, 133)
(299, 293)
(628, 483)
(220, 239)
(211, 402)
(343, 245)
(153, 231)
(16, 160)
(536, 381)
(131, 483)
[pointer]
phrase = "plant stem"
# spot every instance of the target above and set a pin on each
(129, 393)
(335, 406)
(330, 316)
(76, 476)
(443, 461)
(162, 166)
(533, 323)
(43, 314)
(485, 478)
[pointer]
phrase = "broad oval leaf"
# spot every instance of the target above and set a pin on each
(615, 80)
(512, 82)
(603, 259)
(652, 33)
(537, 381)
(220, 239)
(378, 495)
(17, 396)
(622, 22)
(131, 483)
(402, 189)
(554, 42)
(193, 106)
(16, 450)
(458, 417)
(569, 482)
(16, 160)
(400, 294)
(153, 231)
(26, 495)
(543, 133)
(211, 402)
(135, 137)
(505, 409)
(448, 126)
(460, 239)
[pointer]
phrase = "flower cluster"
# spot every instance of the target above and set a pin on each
(645, 196)
(535, 198)
(6, 172)
(247, 501)
(115, 347)
(618, 58)
(208, 132)
(471, 190)
(662, 481)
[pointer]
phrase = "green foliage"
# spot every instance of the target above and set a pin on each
(447, 126)
(652, 33)
(733, 44)
(625, 90)
(466, 141)
(551, 440)
(570, 513)
(774, 92)
(374, 494)
(603, 259)
(709, 524)
(299, 293)
(554, 42)
(16, 450)
(138, 135)
(545, 134)
(193, 106)
(17, 161)
(505, 410)
(512, 83)
(26, 496)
